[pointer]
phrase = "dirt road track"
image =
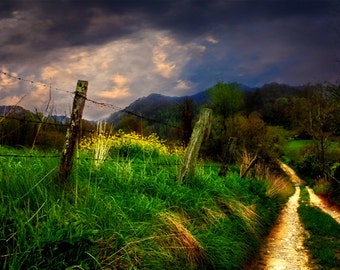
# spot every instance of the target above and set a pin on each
(283, 248)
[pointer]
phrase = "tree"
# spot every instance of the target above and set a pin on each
(226, 100)
(317, 114)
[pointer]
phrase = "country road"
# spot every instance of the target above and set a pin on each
(283, 247)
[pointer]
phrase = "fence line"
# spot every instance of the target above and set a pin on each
(111, 160)
(35, 82)
(47, 121)
(103, 104)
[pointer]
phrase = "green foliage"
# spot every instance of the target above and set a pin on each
(302, 154)
(128, 213)
(226, 99)
(324, 242)
(26, 128)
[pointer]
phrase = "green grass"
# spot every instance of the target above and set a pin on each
(128, 214)
(293, 149)
(324, 242)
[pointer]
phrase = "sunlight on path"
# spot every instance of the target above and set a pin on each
(315, 200)
(284, 246)
(291, 173)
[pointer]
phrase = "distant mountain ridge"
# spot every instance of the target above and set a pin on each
(149, 106)
(12, 109)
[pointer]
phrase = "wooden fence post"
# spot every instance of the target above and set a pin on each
(227, 156)
(200, 133)
(73, 131)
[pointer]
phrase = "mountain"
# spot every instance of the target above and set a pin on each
(153, 103)
(150, 106)
(12, 109)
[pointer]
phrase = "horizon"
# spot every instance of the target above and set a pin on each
(116, 109)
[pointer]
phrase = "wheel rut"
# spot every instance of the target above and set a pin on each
(283, 248)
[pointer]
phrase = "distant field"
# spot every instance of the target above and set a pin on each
(293, 148)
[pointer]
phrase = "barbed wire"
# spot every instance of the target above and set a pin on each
(35, 121)
(35, 82)
(29, 156)
(103, 104)
(139, 115)
(111, 160)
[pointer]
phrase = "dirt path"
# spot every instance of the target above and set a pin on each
(314, 199)
(283, 248)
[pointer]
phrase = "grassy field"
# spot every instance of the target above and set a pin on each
(123, 209)
(294, 149)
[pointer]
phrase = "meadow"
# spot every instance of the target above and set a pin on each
(124, 209)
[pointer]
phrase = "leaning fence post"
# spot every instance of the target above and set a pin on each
(73, 131)
(200, 133)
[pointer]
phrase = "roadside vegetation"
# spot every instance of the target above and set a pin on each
(124, 209)
(323, 233)
(129, 212)
(302, 155)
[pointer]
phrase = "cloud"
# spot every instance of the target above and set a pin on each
(120, 89)
(183, 85)
(160, 57)
(118, 72)
(211, 39)
(7, 83)
(129, 49)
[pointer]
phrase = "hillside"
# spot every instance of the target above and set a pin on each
(153, 104)
(256, 99)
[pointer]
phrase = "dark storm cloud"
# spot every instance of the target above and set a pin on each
(69, 20)
(128, 49)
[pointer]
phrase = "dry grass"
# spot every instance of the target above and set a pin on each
(124, 258)
(278, 186)
(322, 186)
(247, 213)
(178, 239)
(246, 162)
(102, 144)
(213, 215)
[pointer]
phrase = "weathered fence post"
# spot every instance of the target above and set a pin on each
(73, 131)
(200, 133)
(227, 156)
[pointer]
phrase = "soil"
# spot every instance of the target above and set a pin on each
(283, 248)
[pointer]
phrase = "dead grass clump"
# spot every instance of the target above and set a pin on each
(126, 257)
(179, 240)
(246, 162)
(278, 186)
(246, 213)
(213, 215)
(322, 186)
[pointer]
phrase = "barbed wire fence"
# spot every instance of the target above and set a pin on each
(49, 120)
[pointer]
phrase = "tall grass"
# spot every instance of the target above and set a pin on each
(129, 212)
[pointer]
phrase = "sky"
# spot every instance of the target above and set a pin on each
(127, 49)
